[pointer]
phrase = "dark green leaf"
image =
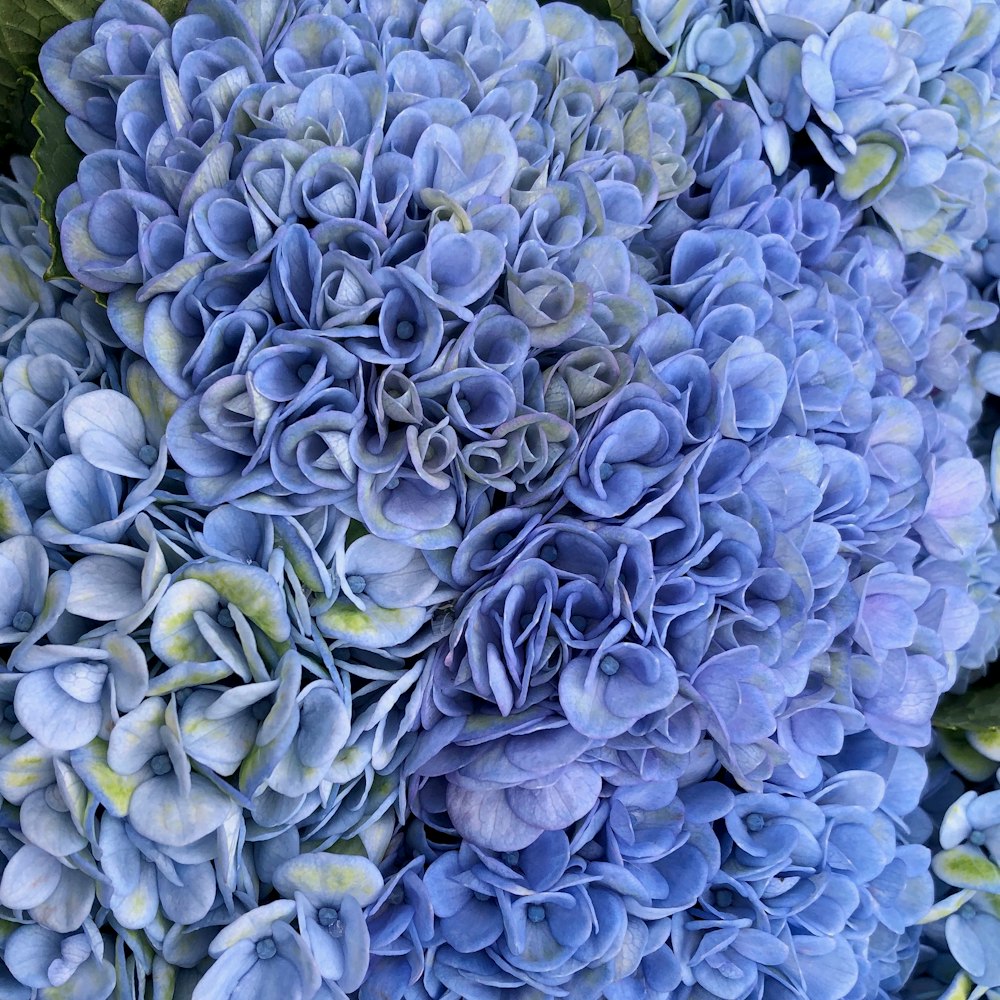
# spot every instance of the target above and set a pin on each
(355, 531)
(170, 9)
(57, 160)
(24, 26)
(976, 710)
(646, 57)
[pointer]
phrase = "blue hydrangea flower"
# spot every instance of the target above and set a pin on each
(512, 524)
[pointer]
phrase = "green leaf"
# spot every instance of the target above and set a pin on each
(24, 26)
(646, 58)
(57, 160)
(355, 530)
(170, 9)
(976, 710)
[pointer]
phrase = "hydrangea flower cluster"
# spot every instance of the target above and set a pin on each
(960, 947)
(958, 956)
(898, 99)
(507, 533)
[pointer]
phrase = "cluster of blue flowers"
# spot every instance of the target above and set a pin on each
(508, 531)
(897, 100)
(959, 951)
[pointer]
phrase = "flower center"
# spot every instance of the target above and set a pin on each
(393, 483)
(549, 552)
(776, 109)
(327, 916)
(607, 470)
(464, 405)
(723, 898)
(225, 618)
(609, 666)
(160, 764)
(23, 620)
(981, 244)
(481, 896)
(977, 837)
(755, 822)
(404, 330)
(357, 583)
(704, 69)
(305, 373)
(510, 858)
(536, 913)
(266, 948)
(148, 454)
